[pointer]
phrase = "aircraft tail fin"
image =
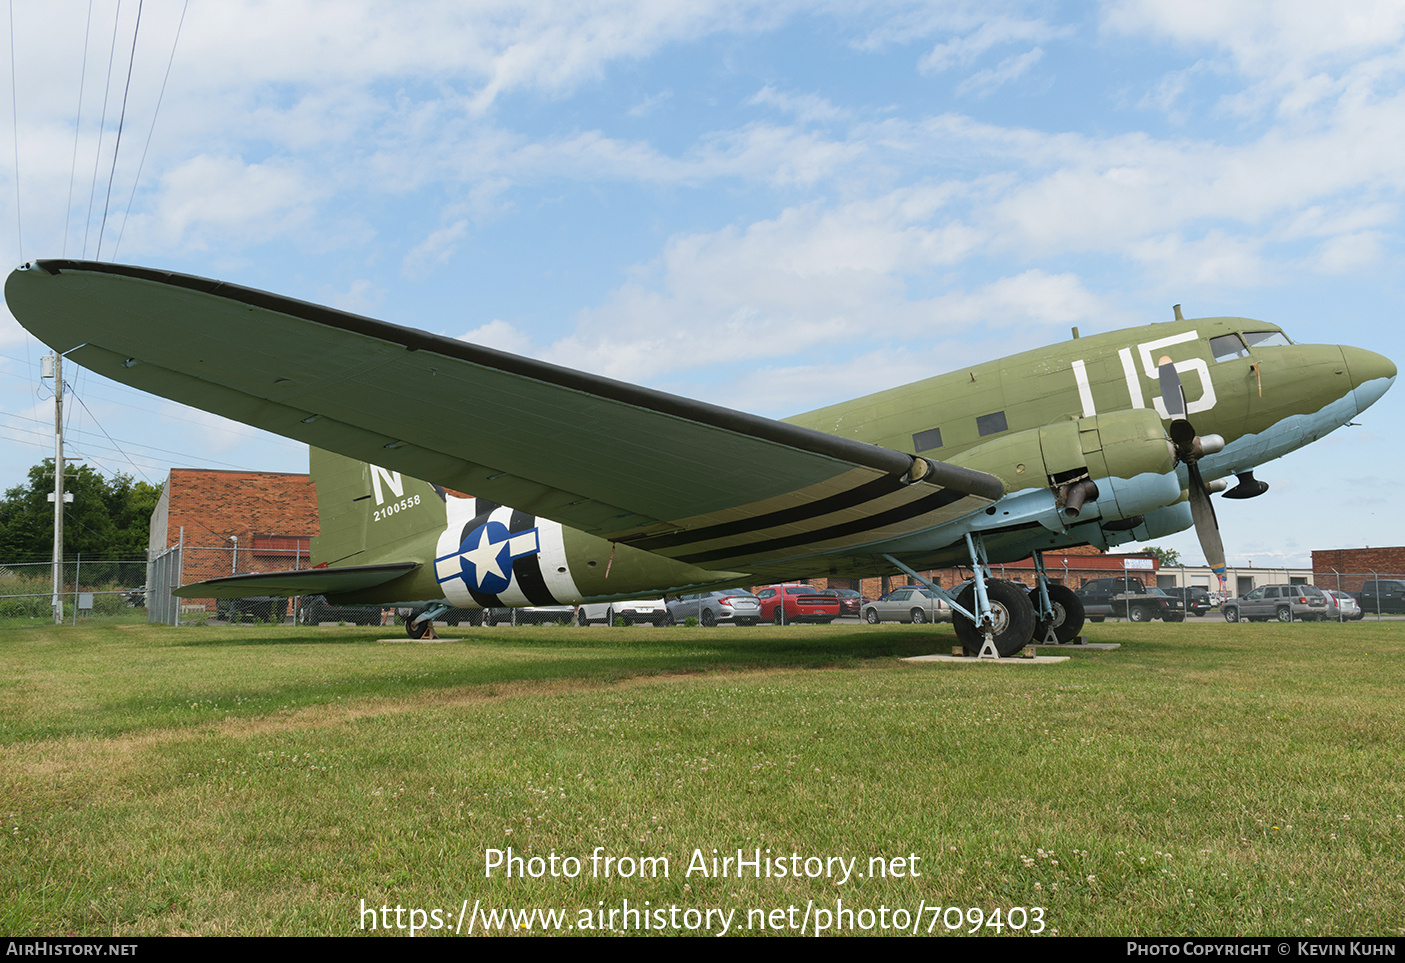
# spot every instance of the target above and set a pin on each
(370, 515)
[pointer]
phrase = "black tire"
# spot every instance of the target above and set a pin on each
(1014, 618)
(1173, 618)
(489, 618)
(1097, 618)
(417, 630)
(1285, 613)
(1139, 613)
(709, 618)
(581, 620)
(1231, 614)
(918, 616)
(778, 617)
(1068, 614)
(660, 621)
(871, 617)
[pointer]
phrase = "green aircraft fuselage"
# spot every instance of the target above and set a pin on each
(1040, 420)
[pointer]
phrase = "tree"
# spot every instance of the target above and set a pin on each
(1167, 556)
(109, 519)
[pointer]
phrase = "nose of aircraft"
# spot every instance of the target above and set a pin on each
(1371, 375)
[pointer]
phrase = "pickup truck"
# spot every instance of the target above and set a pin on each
(1128, 598)
(1381, 595)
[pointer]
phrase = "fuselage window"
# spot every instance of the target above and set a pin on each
(990, 424)
(1227, 347)
(927, 440)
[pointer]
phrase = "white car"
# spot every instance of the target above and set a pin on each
(634, 610)
(1342, 607)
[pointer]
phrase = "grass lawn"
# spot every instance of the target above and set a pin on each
(1203, 779)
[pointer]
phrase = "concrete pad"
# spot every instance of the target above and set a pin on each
(1037, 660)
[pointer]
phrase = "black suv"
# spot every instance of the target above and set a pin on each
(1197, 600)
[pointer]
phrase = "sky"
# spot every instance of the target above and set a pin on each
(772, 206)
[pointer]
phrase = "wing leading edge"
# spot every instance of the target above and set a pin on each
(682, 478)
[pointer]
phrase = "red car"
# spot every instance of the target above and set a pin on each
(783, 604)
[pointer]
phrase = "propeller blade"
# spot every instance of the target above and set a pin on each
(1207, 528)
(1172, 393)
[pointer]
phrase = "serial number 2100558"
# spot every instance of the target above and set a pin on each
(404, 504)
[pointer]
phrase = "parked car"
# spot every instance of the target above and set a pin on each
(1341, 607)
(635, 610)
(261, 608)
(797, 603)
(850, 601)
(911, 603)
(531, 615)
(1196, 600)
(711, 608)
(1286, 603)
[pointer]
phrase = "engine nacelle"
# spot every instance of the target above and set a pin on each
(1113, 466)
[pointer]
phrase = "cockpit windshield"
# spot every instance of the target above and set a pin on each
(1263, 339)
(1228, 346)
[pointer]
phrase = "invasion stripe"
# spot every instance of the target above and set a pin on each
(868, 491)
(527, 570)
(920, 507)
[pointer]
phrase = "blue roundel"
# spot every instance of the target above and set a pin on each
(487, 553)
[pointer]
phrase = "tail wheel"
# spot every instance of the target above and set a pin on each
(1009, 606)
(1068, 614)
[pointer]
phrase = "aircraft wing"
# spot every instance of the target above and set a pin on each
(308, 581)
(679, 477)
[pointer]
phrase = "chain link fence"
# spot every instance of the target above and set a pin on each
(89, 588)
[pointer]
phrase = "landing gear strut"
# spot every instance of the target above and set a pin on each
(420, 624)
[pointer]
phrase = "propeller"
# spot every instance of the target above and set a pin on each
(1190, 448)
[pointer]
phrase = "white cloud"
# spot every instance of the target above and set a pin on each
(501, 335)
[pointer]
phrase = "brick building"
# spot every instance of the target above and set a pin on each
(235, 521)
(1347, 568)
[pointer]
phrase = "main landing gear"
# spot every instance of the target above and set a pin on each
(995, 619)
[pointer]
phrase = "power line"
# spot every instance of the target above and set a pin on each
(159, 97)
(77, 127)
(15, 130)
(121, 119)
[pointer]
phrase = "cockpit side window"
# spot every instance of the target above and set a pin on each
(1263, 339)
(1227, 347)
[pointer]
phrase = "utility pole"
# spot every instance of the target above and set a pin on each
(58, 488)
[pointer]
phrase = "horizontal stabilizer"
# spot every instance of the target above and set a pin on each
(309, 581)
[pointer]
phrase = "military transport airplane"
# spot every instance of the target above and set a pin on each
(617, 489)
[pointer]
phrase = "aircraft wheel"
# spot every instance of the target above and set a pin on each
(918, 616)
(1285, 614)
(709, 618)
(1139, 613)
(871, 617)
(1014, 618)
(416, 630)
(1068, 614)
